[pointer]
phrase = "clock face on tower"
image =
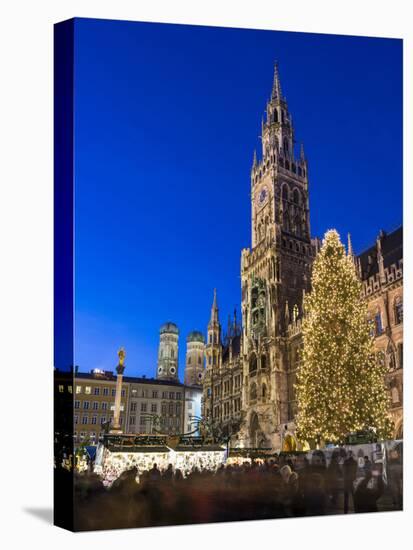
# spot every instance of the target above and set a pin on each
(262, 196)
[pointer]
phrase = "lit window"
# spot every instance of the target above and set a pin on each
(70, 389)
(61, 389)
(78, 389)
(88, 390)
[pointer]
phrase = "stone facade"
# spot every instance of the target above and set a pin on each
(222, 382)
(381, 270)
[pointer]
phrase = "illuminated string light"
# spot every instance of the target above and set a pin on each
(340, 385)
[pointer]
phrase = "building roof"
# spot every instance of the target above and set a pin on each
(195, 336)
(109, 376)
(169, 328)
(236, 347)
(392, 251)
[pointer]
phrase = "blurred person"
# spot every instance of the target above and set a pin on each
(349, 474)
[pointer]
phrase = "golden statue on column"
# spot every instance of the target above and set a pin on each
(116, 427)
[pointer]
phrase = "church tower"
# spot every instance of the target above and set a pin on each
(213, 355)
(168, 352)
(275, 271)
(194, 364)
(213, 347)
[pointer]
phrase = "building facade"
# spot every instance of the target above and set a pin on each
(259, 367)
(222, 382)
(380, 268)
(161, 405)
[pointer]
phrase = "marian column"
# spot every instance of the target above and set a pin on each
(116, 428)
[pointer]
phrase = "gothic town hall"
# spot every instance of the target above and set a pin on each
(248, 384)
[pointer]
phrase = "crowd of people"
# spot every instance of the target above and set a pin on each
(279, 487)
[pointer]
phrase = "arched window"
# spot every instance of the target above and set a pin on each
(253, 363)
(189, 360)
(378, 327)
(284, 192)
(275, 115)
(285, 146)
(253, 392)
(264, 392)
(295, 313)
(296, 196)
(398, 311)
(263, 361)
(395, 395)
(286, 222)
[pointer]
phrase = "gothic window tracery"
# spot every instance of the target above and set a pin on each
(253, 392)
(398, 310)
(378, 326)
(264, 392)
(296, 197)
(253, 363)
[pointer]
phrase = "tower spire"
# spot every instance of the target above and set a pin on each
(214, 309)
(302, 155)
(276, 87)
(350, 252)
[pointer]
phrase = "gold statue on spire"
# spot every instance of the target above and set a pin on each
(121, 355)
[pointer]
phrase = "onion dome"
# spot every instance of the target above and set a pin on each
(195, 336)
(169, 328)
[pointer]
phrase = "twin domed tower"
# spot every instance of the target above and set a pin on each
(168, 355)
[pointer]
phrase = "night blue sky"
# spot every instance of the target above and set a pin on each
(166, 121)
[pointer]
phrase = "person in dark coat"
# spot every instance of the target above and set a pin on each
(349, 476)
(367, 493)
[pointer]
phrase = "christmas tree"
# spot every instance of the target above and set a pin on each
(340, 385)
